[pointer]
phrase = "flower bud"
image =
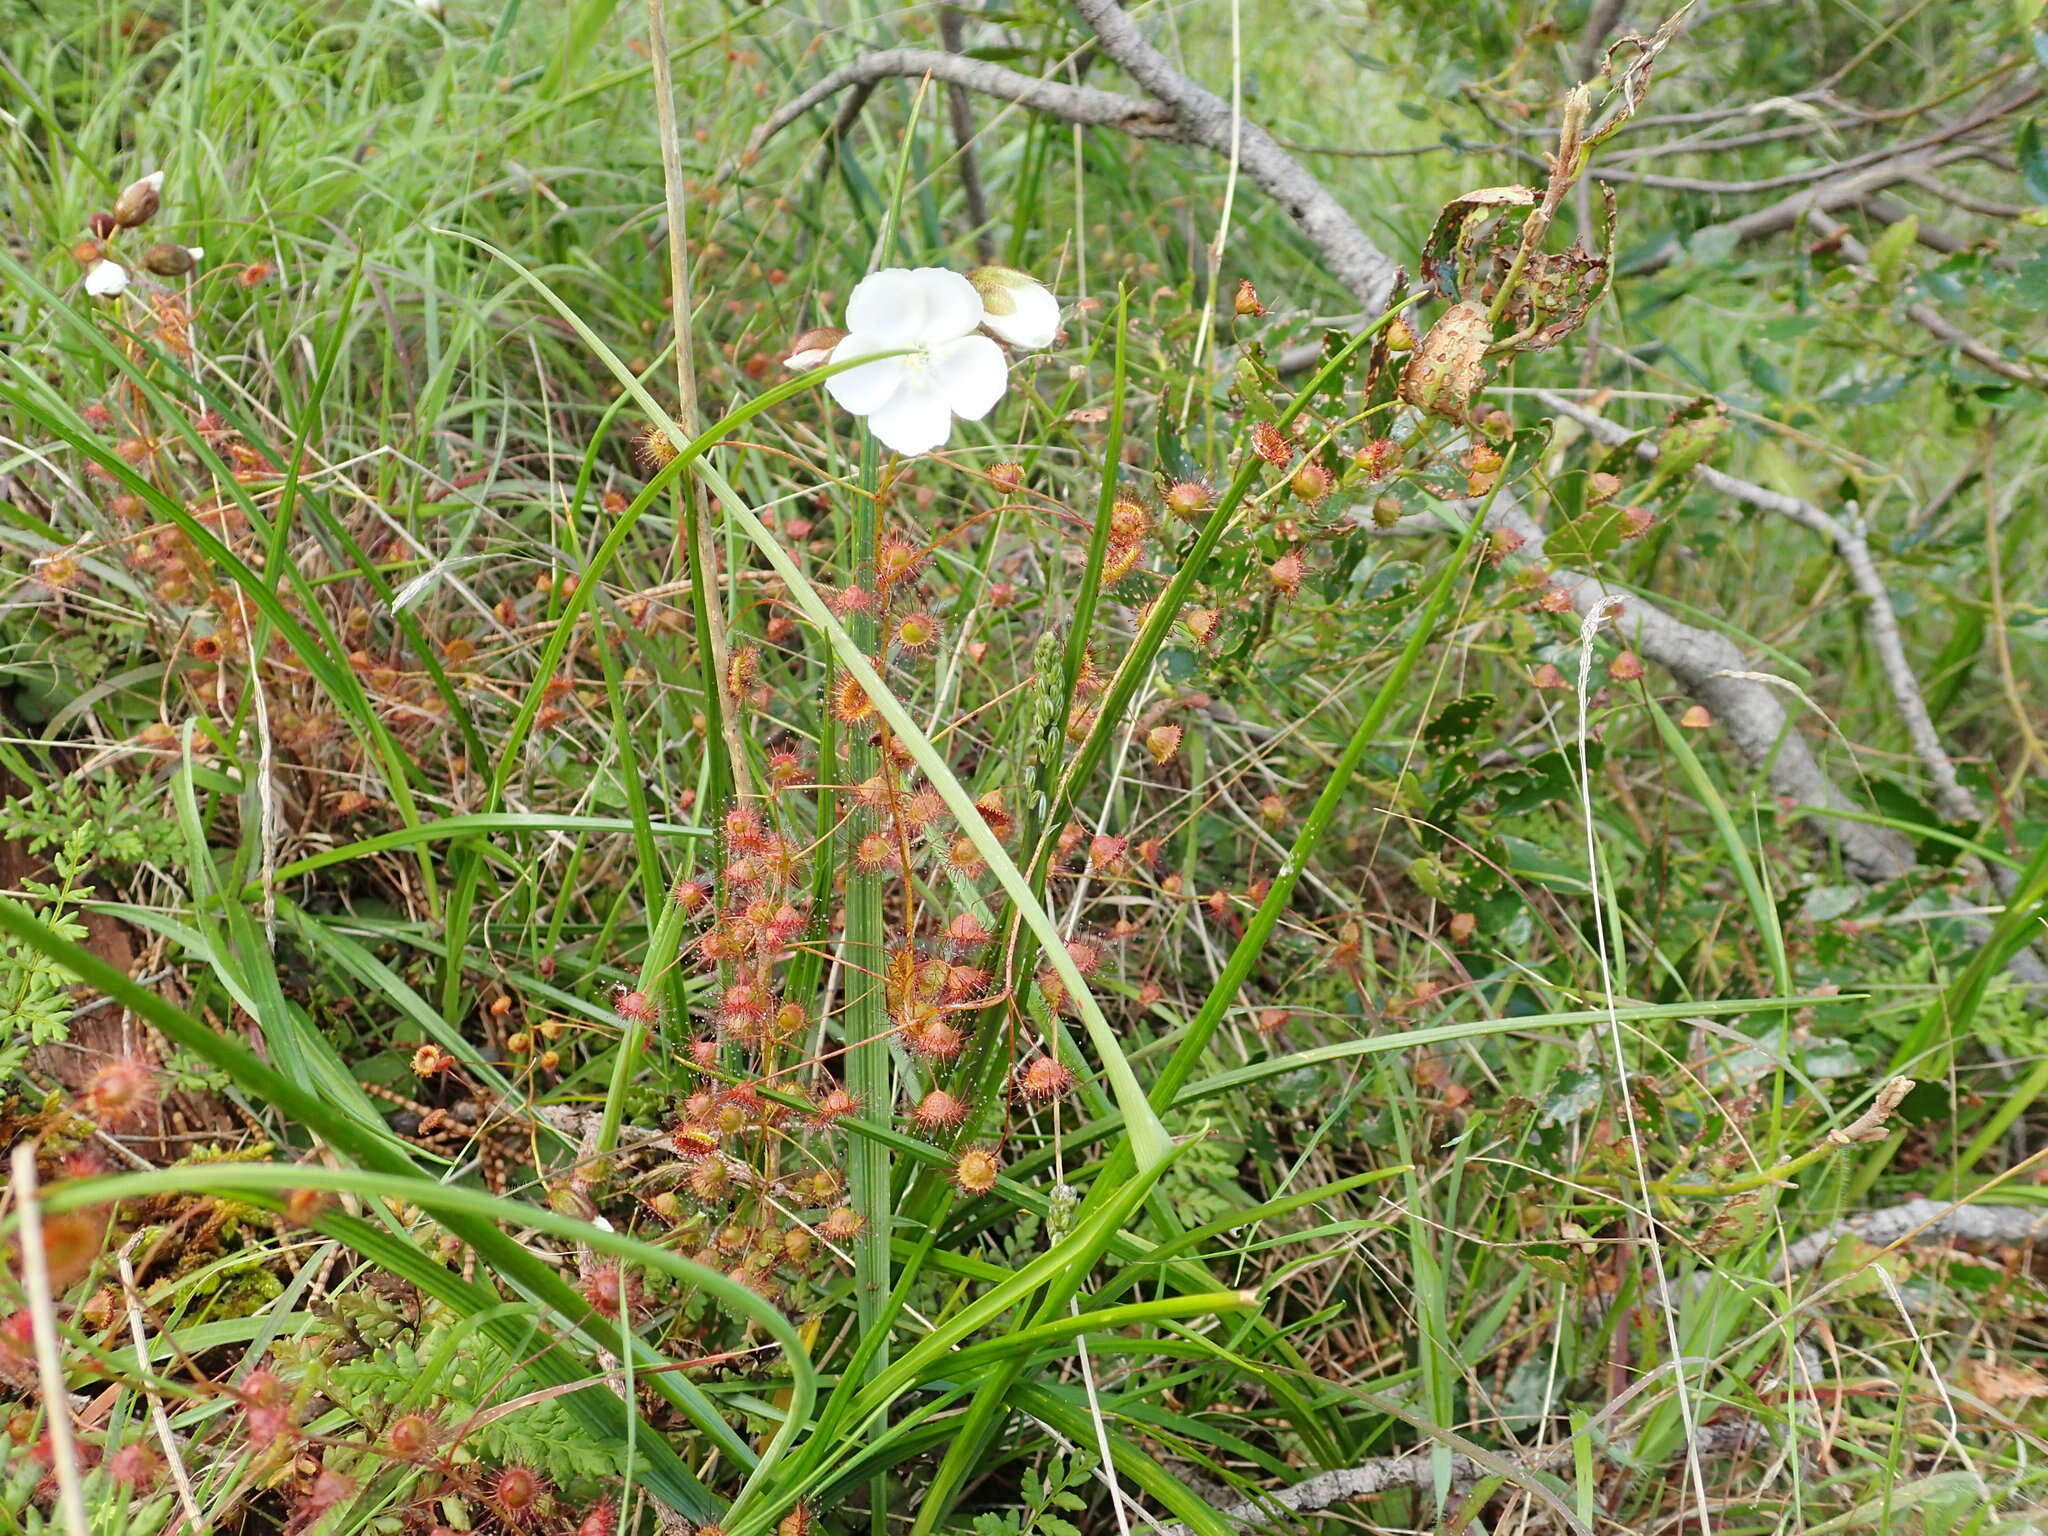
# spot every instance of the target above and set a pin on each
(139, 201)
(813, 348)
(104, 279)
(170, 259)
(101, 224)
(1247, 301)
(1016, 308)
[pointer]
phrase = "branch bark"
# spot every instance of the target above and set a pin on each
(1204, 118)
(1914, 1221)
(1951, 799)
(1714, 670)
(1083, 104)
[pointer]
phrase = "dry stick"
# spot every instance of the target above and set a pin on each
(1912, 1221)
(1951, 798)
(1948, 133)
(1386, 1473)
(960, 107)
(1205, 118)
(1082, 104)
(703, 554)
(1849, 190)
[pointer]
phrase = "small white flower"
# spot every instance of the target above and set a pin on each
(1016, 308)
(945, 367)
(437, 9)
(104, 279)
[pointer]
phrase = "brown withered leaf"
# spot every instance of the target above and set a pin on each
(1998, 1381)
(1449, 365)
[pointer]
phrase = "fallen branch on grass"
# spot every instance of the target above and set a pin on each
(1416, 1471)
(1951, 799)
(1714, 670)
(1914, 1221)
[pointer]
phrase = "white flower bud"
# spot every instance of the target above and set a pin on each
(104, 279)
(1017, 309)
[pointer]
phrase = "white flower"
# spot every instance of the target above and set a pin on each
(104, 279)
(944, 368)
(437, 9)
(1016, 308)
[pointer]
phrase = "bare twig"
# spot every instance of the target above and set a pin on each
(1417, 1471)
(1204, 118)
(1073, 103)
(1848, 190)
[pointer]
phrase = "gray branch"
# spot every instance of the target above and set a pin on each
(1922, 1221)
(1205, 118)
(1082, 104)
(1915, 1220)
(1713, 669)
(1417, 1471)
(1951, 799)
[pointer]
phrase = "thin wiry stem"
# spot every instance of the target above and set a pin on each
(702, 554)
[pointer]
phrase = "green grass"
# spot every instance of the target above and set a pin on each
(396, 981)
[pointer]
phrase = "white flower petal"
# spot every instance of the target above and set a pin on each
(951, 306)
(916, 419)
(104, 279)
(887, 307)
(904, 305)
(971, 375)
(867, 388)
(1031, 319)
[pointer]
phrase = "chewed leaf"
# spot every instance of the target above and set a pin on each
(1449, 366)
(1450, 253)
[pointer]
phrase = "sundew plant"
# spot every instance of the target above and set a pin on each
(1076, 768)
